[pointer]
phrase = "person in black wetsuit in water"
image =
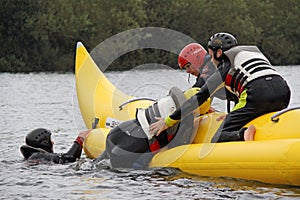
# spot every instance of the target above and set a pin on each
(39, 147)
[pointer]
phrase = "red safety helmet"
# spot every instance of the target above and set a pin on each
(192, 53)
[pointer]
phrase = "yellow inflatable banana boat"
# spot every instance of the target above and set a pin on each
(273, 156)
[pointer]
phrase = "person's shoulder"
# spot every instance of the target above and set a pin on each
(39, 155)
(42, 157)
(225, 65)
(48, 158)
(27, 151)
(211, 65)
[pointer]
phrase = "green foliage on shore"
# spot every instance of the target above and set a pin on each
(39, 35)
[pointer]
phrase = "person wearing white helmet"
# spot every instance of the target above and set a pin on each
(248, 74)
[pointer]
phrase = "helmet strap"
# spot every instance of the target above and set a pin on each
(189, 79)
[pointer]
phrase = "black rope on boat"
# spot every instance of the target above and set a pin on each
(275, 117)
(133, 100)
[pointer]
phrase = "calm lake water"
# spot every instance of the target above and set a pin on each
(29, 101)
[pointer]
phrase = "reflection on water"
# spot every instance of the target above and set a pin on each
(29, 101)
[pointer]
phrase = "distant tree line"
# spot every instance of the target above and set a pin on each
(38, 35)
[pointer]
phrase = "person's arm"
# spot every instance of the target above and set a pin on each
(74, 152)
(76, 149)
(209, 88)
(214, 82)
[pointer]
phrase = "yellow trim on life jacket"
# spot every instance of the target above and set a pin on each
(242, 101)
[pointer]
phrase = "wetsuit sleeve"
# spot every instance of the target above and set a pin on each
(74, 152)
(72, 155)
(76, 148)
(213, 83)
(199, 82)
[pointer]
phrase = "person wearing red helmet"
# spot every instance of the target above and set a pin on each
(248, 75)
(196, 61)
(39, 147)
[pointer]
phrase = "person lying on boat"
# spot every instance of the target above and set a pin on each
(129, 140)
(39, 147)
(248, 74)
(131, 145)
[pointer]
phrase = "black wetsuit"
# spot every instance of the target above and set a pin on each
(128, 145)
(40, 156)
(125, 144)
(222, 93)
(265, 94)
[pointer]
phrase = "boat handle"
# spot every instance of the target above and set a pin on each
(275, 117)
(133, 100)
(95, 122)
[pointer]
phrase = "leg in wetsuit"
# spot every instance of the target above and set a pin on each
(264, 95)
(125, 143)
